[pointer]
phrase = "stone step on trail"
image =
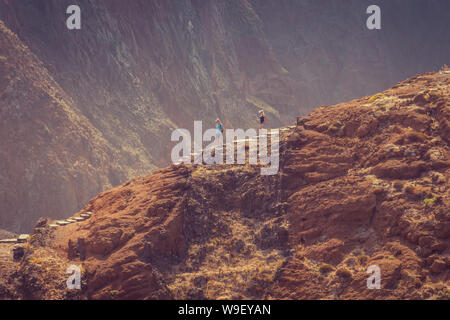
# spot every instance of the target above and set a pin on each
(82, 217)
(287, 128)
(23, 238)
(205, 152)
(8, 241)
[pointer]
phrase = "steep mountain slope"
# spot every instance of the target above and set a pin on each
(138, 70)
(149, 66)
(360, 183)
(52, 158)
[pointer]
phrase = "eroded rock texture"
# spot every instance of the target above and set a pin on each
(360, 183)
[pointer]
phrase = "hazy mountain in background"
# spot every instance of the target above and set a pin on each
(332, 56)
(137, 70)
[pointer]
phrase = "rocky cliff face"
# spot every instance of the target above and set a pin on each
(149, 66)
(51, 157)
(360, 183)
(135, 71)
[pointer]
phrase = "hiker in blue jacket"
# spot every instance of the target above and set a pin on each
(219, 128)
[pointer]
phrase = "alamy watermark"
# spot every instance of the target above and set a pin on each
(374, 20)
(374, 281)
(73, 22)
(74, 280)
(214, 152)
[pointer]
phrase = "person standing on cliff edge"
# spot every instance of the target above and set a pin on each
(262, 118)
